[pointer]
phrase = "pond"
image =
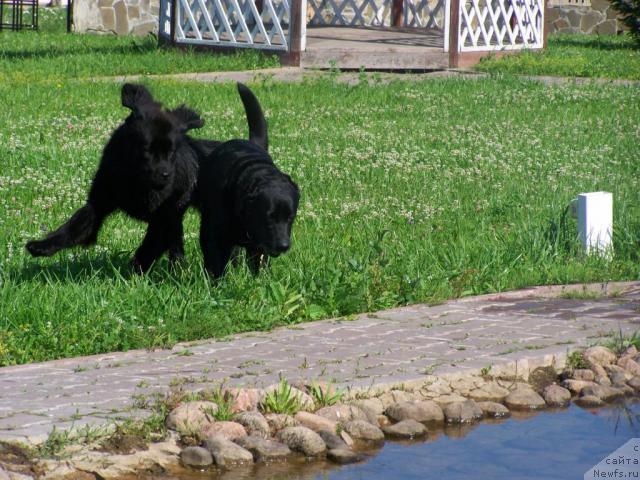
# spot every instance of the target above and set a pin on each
(549, 445)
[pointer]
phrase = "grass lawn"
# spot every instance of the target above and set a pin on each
(604, 56)
(411, 192)
(52, 54)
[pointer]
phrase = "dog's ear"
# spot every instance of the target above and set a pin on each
(188, 118)
(134, 96)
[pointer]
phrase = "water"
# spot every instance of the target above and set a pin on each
(545, 445)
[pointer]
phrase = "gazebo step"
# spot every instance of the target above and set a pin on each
(387, 59)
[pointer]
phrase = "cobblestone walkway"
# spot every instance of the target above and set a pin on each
(296, 74)
(391, 346)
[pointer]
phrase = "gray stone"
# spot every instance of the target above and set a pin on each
(122, 20)
(557, 396)
(590, 20)
(576, 386)
(279, 421)
(228, 430)
(363, 430)
(574, 17)
(583, 374)
(225, 452)
(600, 5)
(105, 3)
(254, 423)
(629, 364)
(489, 392)
(553, 14)
(244, 399)
(588, 401)
(561, 24)
(603, 380)
(133, 12)
(108, 19)
(611, 369)
(603, 392)
(405, 429)
(462, 412)
(370, 406)
(618, 378)
(196, 457)
(395, 396)
(343, 456)
(342, 413)
(420, 411)
(443, 400)
(494, 410)
(315, 422)
(599, 355)
(626, 389)
(303, 440)
(332, 440)
(438, 387)
(191, 416)
(634, 383)
(264, 450)
(524, 399)
(346, 438)
(465, 384)
(86, 16)
(144, 28)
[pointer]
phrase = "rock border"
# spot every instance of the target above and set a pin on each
(202, 434)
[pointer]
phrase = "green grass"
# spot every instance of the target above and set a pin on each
(411, 192)
(51, 54)
(603, 56)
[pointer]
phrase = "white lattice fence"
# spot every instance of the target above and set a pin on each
(376, 13)
(500, 24)
(233, 23)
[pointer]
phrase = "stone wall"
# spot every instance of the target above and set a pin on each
(583, 16)
(139, 17)
(121, 17)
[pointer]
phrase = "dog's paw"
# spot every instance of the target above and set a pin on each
(40, 248)
(137, 266)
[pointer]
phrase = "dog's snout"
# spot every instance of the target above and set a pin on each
(282, 246)
(165, 174)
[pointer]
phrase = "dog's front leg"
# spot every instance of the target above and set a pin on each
(215, 250)
(155, 243)
(256, 259)
(81, 229)
(175, 237)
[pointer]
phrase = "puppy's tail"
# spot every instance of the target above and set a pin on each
(255, 118)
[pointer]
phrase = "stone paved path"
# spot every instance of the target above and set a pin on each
(297, 74)
(391, 346)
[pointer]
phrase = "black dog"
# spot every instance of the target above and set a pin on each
(244, 199)
(149, 169)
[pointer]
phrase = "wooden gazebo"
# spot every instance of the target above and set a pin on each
(380, 34)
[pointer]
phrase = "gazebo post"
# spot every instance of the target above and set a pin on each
(396, 13)
(545, 24)
(298, 28)
(454, 25)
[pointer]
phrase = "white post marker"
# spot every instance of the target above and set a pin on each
(595, 221)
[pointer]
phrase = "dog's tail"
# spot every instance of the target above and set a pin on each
(255, 117)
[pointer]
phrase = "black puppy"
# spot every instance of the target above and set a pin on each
(244, 199)
(149, 169)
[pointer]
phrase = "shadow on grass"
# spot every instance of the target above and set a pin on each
(594, 42)
(79, 269)
(136, 47)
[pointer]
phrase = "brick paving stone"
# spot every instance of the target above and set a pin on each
(393, 346)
